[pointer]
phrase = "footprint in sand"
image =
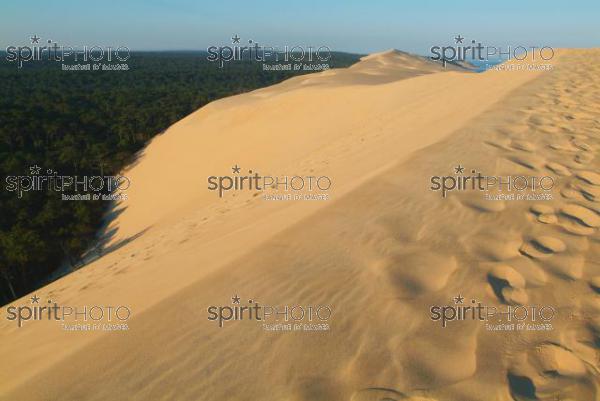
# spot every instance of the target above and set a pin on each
(500, 143)
(554, 360)
(521, 387)
(558, 169)
(584, 157)
(563, 146)
(550, 252)
(530, 161)
(514, 296)
(508, 284)
(536, 119)
(542, 247)
(545, 214)
(523, 145)
(582, 145)
(509, 275)
(589, 192)
(575, 228)
(540, 208)
(569, 193)
(546, 370)
(547, 219)
(534, 275)
(589, 177)
(581, 215)
(595, 283)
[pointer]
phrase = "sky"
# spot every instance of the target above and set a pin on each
(347, 25)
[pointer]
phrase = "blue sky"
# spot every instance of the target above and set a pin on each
(348, 25)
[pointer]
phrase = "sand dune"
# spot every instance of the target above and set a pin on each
(381, 251)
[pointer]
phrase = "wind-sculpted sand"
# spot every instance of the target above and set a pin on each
(381, 252)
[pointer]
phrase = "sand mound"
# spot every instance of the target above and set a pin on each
(382, 252)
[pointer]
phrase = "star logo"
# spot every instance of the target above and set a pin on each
(459, 169)
(34, 170)
(236, 169)
(35, 39)
(458, 39)
(459, 299)
(35, 299)
(235, 39)
(235, 299)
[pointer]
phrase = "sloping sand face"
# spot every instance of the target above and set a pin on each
(381, 253)
(313, 123)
